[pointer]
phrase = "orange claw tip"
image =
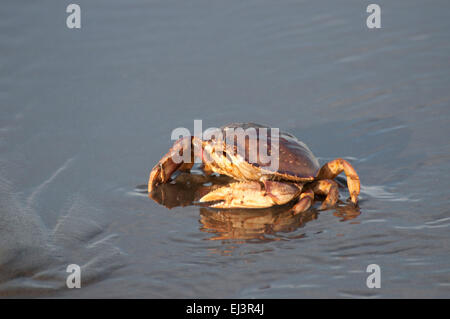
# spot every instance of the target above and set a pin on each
(154, 178)
(218, 194)
(152, 185)
(353, 200)
(150, 188)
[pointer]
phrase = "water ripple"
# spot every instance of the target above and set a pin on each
(383, 193)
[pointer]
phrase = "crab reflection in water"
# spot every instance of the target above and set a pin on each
(266, 224)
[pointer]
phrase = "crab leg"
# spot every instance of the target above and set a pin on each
(328, 188)
(332, 169)
(305, 201)
(252, 195)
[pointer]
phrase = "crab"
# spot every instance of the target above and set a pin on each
(298, 175)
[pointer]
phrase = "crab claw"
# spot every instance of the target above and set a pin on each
(252, 195)
(171, 162)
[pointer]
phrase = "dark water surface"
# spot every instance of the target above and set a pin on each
(85, 114)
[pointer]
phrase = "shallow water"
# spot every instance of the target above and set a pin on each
(86, 113)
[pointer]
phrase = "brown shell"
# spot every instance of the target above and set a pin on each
(296, 161)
